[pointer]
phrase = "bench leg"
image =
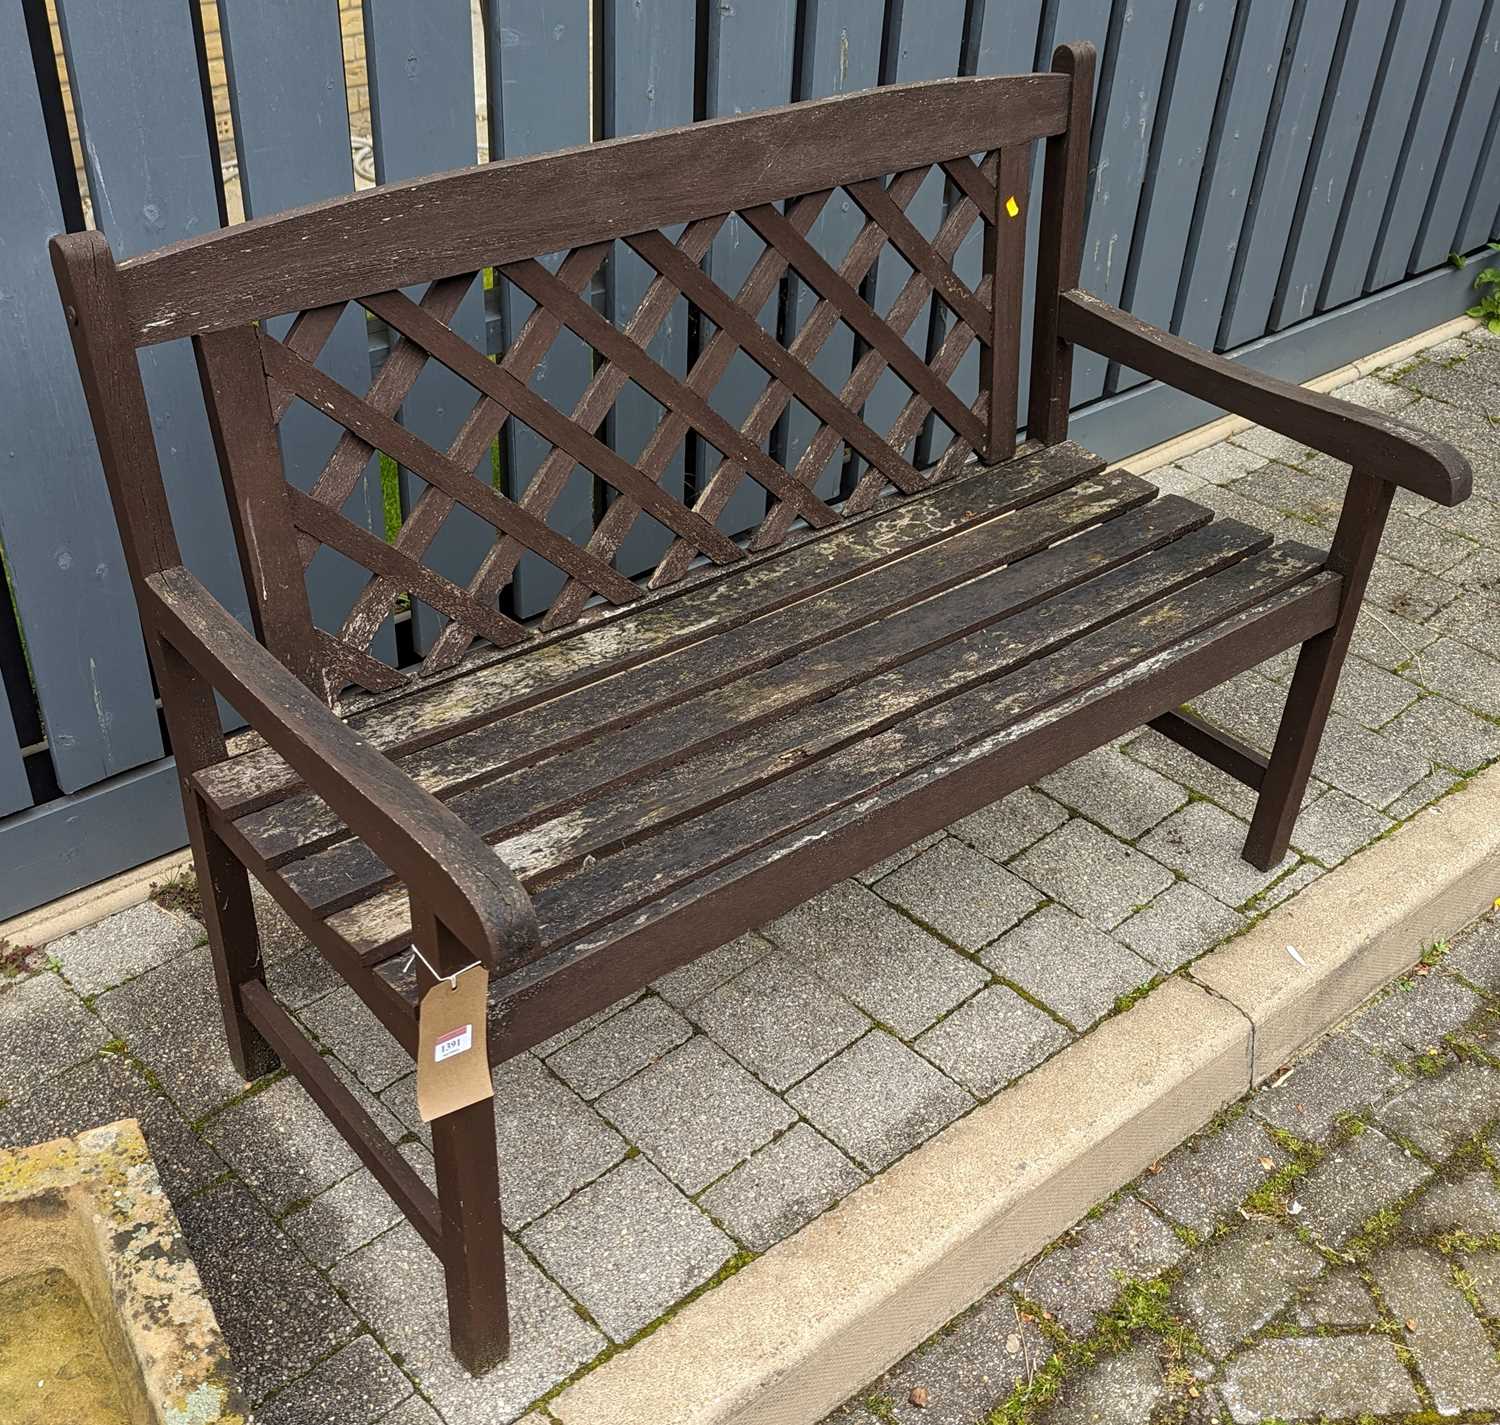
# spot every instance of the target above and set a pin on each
(468, 1183)
(466, 1156)
(234, 940)
(223, 883)
(1305, 715)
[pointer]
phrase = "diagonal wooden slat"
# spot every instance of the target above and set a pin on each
(871, 485)
(354, 542)
(539, 284)
(470, 446)
(383, 433)
(975, 180)
(811, 266)
(307, 336)
(547, 484)
(769, 353)
(921, 254)
(351, 455)
(706, 372)
(460, 358)
(804, 348)
(910, 303)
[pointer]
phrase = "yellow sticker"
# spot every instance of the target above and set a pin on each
(1012, 207)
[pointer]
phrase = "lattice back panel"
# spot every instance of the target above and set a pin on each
(920, 338)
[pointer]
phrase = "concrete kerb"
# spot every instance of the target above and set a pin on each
(798, 1330)
(91, 904)
(1360, 926)
(787, 1339)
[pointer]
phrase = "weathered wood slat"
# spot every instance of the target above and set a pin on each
(649, 82)
(818, 275)
(785, 748)
(754, 890)
(714, 361)
(840, 54)
(292, 147)
(421, 77)
(672, 619)
(580, 756)
(623, 700)
(750, 60)
(910, 303)
(551, 481)
(529, 206)
(808, 347)
(612, 886)
(542, 287)
(769, 353)
(646, 884)
(923, 42)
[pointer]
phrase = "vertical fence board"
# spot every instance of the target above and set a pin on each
(420, 61)
(539, 91)
(1290, 139)
(840, 52)
(1478, 226)
(285, 66)
(1006, 43)
(648, 84)
(1313, 232)
(926, 43)
(1256, 53)
(152, 176)
(1426, 142)
(750, 54)
(1375, 165)
(1165, 221)
(1011, 39)
(1129, 92)
(1459, 162)
(72, 591)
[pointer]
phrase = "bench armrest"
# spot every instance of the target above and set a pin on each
(445, 864)
(1367, 440)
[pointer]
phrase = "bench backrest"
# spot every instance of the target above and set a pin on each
(260, 300)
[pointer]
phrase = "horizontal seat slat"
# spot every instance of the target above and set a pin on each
(594, 745)
(297, 827)
(672, 619)
(615, 885)
(1268, 601)
(786, 747)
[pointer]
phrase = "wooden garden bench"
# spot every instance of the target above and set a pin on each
(584, 801)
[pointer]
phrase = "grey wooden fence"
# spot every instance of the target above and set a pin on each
(1282, 179)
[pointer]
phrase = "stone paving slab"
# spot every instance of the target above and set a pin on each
(1340, 1280)
(746, 1093)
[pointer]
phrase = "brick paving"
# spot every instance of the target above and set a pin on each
(1327, 1250)
(668, 1141)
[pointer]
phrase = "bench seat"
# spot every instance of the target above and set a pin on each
(672, 775)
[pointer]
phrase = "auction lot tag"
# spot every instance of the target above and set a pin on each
(453, 1065)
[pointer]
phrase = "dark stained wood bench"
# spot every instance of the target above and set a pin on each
(584, 801)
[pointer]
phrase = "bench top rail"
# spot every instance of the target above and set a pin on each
(415, 232)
